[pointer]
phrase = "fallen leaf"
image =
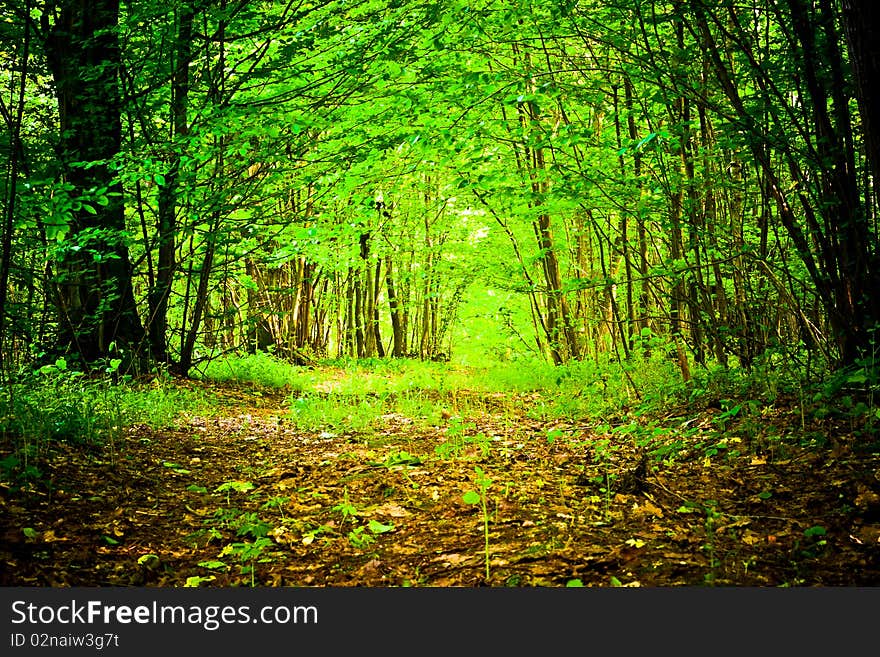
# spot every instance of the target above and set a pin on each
(452, 559)
(391, 510)
(645, 510)
(50, 537)
(866, 498)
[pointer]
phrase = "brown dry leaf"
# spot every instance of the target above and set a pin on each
(751, 538)
(646, 510)
(371, 568)
(452, 559)
(281, 535)
(868, 535)
(742, 522)
(391, 510)
(866, 498)
(50, 537)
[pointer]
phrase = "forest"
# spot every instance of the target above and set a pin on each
(452, 293)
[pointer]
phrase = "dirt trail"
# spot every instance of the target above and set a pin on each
(244, 499)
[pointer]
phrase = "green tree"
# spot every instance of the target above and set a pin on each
(93, 283)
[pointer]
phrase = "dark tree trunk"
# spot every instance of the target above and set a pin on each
(14, 122)
(850, 261)
(861, 24)
(167, 199)
(832, 233)
(95, 301)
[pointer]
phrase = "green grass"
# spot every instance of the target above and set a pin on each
(55, 405)
(261, 369)
(353, 395)
(348, 396)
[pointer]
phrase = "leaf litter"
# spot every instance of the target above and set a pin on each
(245, 498)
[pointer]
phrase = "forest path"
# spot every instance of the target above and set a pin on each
(244, 497)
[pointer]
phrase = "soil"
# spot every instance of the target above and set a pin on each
(242, 498)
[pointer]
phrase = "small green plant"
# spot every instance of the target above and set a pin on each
(454, 442)
(345, 508)
(237, 486)
(310, 535)
(359, 538)
(249, 554)
(479, 496)
(225, 517)
(250, 524)
(602, 454)
(553, 435)
(400, 459)
(712, 515)
(457, 440)
(816, 540)
(197, 580)
(278, 502)
(377, 527)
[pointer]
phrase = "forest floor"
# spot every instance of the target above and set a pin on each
(493, 497)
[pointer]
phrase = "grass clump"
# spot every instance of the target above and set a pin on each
(260, 368)
(42, 408)
(338, 413)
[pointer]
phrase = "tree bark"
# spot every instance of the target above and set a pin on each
(95, 299)
(168, 191)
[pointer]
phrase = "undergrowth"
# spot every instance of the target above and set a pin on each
(42, 408)
(644, 398)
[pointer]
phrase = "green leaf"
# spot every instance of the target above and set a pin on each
(574, 583)
(248, 283)
(553, 434)
(149, 560)
(213, 565)
(195, 581)
(471, 497)
(378, 528)
(238, 486)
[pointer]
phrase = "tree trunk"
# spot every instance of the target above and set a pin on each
(95, 300)
(15, 151)
(167, 198)
(862, 25)
(398, 332)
